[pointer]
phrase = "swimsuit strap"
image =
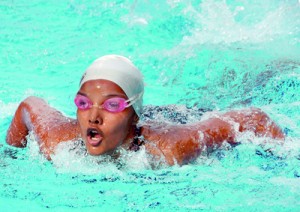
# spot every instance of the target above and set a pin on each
(138, 140)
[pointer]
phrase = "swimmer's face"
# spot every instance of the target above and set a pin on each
(104, 131)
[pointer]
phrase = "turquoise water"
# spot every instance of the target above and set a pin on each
(215, 55)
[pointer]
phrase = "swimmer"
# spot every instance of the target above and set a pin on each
(109, 107)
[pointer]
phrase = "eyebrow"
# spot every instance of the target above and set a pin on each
(82, 94)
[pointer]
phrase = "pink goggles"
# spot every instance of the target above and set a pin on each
(114, 105)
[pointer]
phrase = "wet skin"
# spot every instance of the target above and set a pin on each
(103, 131)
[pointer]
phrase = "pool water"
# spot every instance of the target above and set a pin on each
(195, 55)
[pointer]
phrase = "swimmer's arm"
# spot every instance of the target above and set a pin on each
(180, 144)
(49, 126)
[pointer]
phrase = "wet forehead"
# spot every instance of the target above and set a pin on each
(101, 87)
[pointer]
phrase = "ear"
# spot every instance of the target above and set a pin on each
(135, 119)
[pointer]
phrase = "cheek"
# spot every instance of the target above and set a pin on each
(118, 125)
(82, 118)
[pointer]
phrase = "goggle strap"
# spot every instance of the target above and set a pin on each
(133, 99)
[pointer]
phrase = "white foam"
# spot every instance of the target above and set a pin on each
(71, 157)
(7, 109)
(217, 24)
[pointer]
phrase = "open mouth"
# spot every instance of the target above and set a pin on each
(94, 137)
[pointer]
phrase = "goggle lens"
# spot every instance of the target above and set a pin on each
(115, 104)
(82, 102)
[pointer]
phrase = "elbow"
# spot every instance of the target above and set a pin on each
(256, 120)
(15, 139)
(267, 127)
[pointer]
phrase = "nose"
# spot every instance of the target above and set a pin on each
(95, 116)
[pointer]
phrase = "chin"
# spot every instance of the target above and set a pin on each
(95, 152)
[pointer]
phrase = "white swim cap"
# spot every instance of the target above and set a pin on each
(121, 71)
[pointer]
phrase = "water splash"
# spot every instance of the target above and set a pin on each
(222, 23)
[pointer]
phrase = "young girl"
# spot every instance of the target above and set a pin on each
(109, 105)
